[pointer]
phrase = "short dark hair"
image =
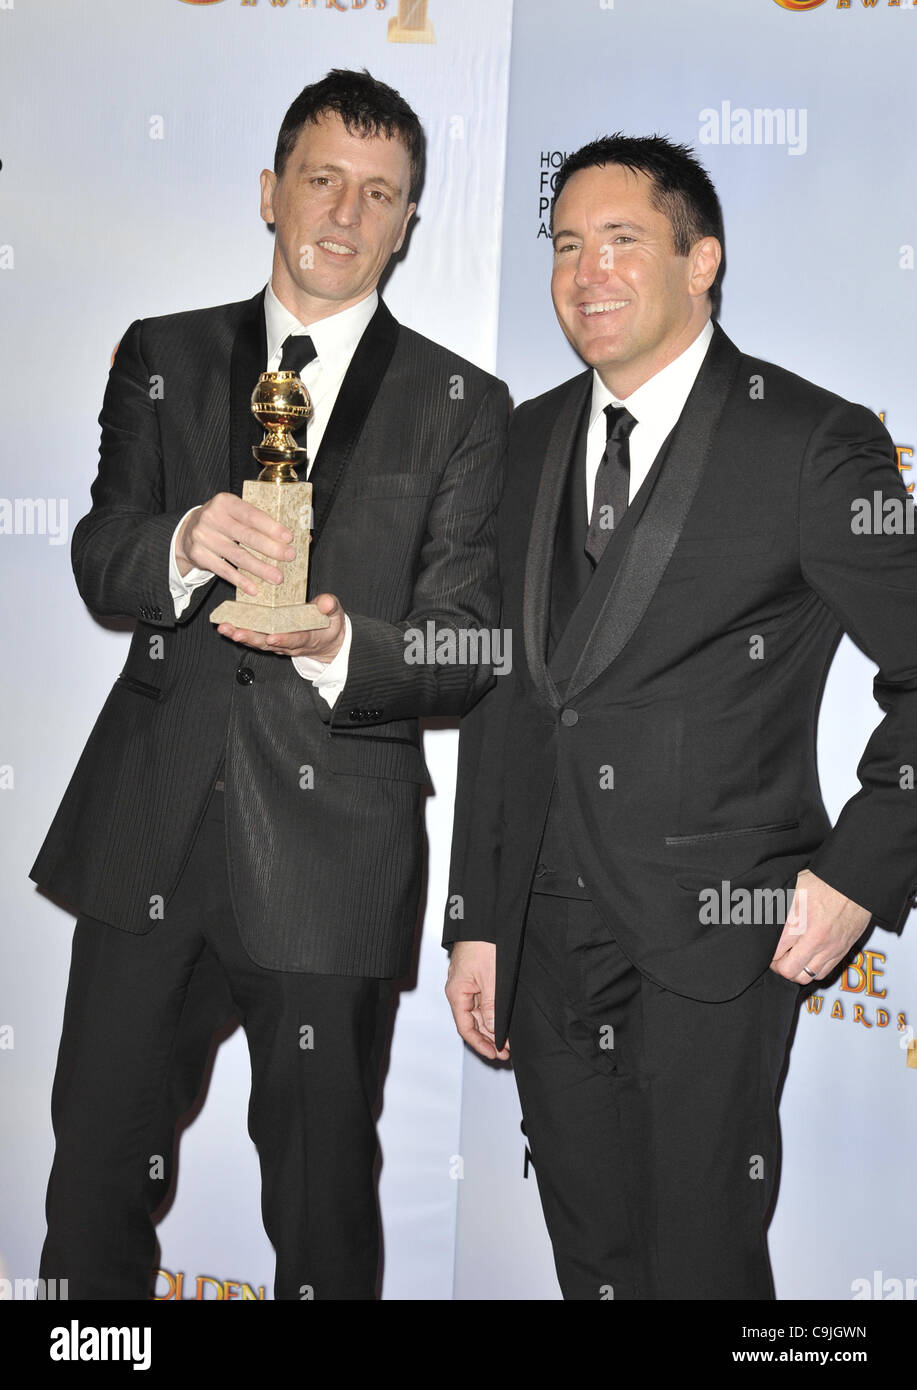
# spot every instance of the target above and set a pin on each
(682, 188)
(366, 106)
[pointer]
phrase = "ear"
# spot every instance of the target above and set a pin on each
(705, 258)
(268, 184)
(412, 208)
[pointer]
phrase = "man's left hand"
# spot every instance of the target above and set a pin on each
(322, 643)
(820, 929)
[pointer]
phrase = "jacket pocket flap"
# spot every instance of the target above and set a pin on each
(368, 755)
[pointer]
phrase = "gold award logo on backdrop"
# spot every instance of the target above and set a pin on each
(844, 4)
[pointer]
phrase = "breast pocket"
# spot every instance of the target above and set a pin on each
(719, 547)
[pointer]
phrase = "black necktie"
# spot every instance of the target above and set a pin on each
(612, 482)
(298, 351)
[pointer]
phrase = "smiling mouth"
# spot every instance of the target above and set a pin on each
(607, 306)
(337, 247)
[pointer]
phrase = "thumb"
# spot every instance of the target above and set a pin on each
(327, 604)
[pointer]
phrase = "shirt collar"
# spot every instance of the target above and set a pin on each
(659, 401)
(335, 338)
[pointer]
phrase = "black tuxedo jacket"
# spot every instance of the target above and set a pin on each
(678, 709)
(323, 808)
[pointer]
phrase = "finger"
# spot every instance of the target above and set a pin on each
(238, 519)
(469, 1033)
(481, 1025)
(230, 562)
(796, 969)
(288, 643)
(226, 524)
(264, 545)
(243, 637)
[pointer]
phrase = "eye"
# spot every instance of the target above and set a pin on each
(564, 246)
(320, 179)
(378, 195)
(624, 237)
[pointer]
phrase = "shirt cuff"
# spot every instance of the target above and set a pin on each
(328, 677)
(181, 587)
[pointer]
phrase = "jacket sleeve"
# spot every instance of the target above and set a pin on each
(120, 549)
(455, 601)
(867, 576)
(477, 826)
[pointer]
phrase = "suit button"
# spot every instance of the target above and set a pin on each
(245, 675)
(144, 612)
(356, 714)
(157, 615)
(540, 871)
(569, 717)
(579, 882)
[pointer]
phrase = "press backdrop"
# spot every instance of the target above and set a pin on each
(131, 137)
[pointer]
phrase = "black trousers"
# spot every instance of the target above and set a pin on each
(137, 1023)
(651, 1118)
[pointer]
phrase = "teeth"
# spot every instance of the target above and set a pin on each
(341, 250)
(605, 308)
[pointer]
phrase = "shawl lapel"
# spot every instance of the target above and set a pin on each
(536, 597)
(249, 356)
(358, 391)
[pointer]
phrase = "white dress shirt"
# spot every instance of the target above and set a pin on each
(335, 340)
(656, 406)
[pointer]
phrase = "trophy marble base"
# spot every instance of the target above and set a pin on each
(271, 609)
(298, 617)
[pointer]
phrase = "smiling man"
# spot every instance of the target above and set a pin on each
(243, 833)
(639, 800)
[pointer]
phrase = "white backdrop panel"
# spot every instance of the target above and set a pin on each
(820, 230)
(133, 133)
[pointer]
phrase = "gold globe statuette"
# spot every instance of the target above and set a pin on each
(281, 405)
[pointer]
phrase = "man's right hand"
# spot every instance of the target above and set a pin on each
(212, 536)
(470, 989)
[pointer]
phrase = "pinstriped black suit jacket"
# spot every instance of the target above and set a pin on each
(325, 877)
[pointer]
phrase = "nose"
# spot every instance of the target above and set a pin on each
(346, 210)
(593, 265)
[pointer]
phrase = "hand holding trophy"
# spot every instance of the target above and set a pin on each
(281, 404)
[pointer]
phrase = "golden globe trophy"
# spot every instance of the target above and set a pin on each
(280, 404)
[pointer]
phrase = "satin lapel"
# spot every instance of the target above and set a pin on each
(536, 601)
(609, 614)
(249, 360)
(358, 391)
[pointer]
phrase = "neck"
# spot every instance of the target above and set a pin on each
(622, 379)
(306, 307)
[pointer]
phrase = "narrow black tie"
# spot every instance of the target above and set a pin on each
(612, 482)
(298, 351)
